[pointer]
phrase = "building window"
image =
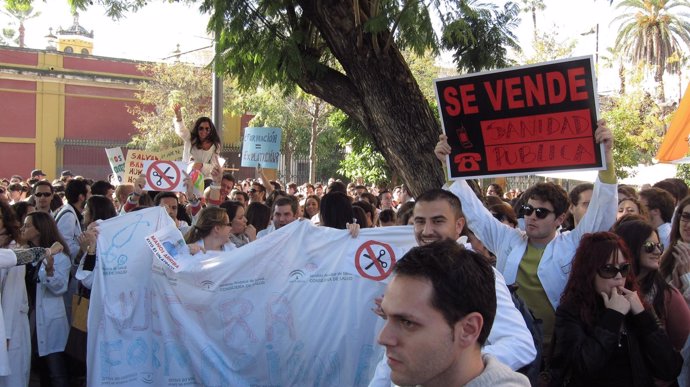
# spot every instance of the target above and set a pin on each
(69, 50)
(85, 51)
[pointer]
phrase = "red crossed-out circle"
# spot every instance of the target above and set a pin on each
(167, 183)
(375, 260)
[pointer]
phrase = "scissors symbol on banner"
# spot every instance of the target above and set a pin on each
(384, 264)
(160, 177)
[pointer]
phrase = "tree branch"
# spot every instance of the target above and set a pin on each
(334, 88)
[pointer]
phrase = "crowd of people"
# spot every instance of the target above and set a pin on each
(589, 287)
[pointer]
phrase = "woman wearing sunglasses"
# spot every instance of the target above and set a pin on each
(604, 335)
(666, 301)
(202, 143)
(675, 262)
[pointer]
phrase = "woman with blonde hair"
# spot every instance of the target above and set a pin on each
(211, 232)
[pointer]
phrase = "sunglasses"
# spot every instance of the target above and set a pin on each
(542, 212)
(650, 246)
(609, 271)
(685, 217)
(43, 194)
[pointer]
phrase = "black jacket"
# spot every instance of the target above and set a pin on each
(603, 356)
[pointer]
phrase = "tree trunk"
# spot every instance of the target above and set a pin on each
(313, 138)
(621, 77)
(534, 21)
(287, 157)
(659, 79)
(378, 89)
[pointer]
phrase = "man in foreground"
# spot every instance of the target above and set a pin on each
(440, 306)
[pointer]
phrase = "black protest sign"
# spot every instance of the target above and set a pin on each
(522, 120)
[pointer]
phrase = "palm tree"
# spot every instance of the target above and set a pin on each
(532, 6)
(650, 32)
(18, 13)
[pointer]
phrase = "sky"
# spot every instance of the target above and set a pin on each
(153, 32)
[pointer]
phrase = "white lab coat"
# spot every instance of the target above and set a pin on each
(52, 325)
(15, 306)
(509, 244)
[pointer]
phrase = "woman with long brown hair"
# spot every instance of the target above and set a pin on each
(666, 301)
(675, 262)
(604, 333)
(48, 285)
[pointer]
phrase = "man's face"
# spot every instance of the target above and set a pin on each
(111, 195)
(386, 201)
(283, 215)
(43, 196)
(434, 221)
(542, 230)
(238, 197)
(420, 345)
(170, 205)
(319, 191)
(225, 187)
(580, 209)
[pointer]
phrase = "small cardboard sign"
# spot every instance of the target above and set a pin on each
(522, 120)
(165, 175)
(134, 164)
(117, 163)
(261, 146)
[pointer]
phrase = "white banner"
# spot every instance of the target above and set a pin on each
(290, 309)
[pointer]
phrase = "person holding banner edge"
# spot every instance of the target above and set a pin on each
(539, 258)
(202, 143)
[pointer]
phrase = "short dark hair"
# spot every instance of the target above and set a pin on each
(659, 199)
(627, 190)
(163, 195)
(675, 186)
(436, 194)
(577, 190)
(287, 200)
(229, 177)
(73, 189)
(463, 281)
(40, 183)
(244, 194)
(101, 187)
(387, 216)
(336, 210)
(337, 186)
(552, 193)
(497, 188)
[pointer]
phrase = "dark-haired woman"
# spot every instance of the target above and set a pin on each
(201, 144)
(96, 208)
(675, 262)
(46, 295)
(15, 307)
(667, 303)
(241, 233)
(604, 335)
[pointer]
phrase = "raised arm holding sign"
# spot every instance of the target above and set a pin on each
(521, 120)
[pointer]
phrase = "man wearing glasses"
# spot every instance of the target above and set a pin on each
(538, 259)
(43, 194)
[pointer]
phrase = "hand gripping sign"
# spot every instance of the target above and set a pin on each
(375, 260)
